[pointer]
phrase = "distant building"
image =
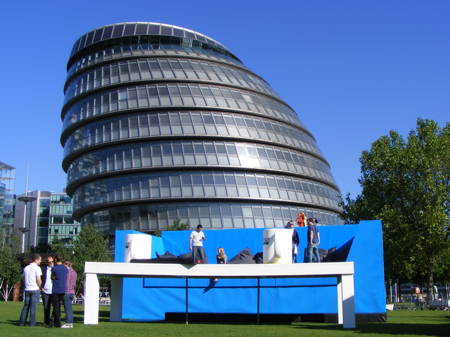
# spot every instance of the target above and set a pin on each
(7, 200)
(45, 219)
(61, 225)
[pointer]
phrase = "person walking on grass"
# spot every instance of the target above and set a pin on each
(196, 245)
(59, 278)
(47, 290)
(31, 278)
(70, 294)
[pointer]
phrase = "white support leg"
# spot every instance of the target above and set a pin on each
(348, 297)
(116, 299)
(91, 299)
(339, 300)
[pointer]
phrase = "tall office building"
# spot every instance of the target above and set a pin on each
(163, 123)
(61, 225)
(46, 217)
(7, 201)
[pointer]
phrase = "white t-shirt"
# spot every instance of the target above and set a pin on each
(48, 281)
(196, 238)
(30, 273)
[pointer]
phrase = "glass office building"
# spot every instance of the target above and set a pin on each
(47, 219)
(163, 123)
(7, 201)
(61, 225)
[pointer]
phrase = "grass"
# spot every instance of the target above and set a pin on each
(400, 323)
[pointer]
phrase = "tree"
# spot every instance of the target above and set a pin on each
(62, 248)
(177, 225)
(90, 246)
(9, 271)
(405, 183)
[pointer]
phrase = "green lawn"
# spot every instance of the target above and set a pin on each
(400, 323)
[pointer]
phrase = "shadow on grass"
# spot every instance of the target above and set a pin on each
(396, 329)
(78, 316)
(16, 322)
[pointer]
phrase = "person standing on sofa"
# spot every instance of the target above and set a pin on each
(196, 245)
(313, 241)
(31, 277)
(59, 277)
(46, 293)
(70, 294)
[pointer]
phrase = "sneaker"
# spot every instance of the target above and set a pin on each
(67, 326)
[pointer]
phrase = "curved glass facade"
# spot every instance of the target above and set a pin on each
(157, 155)
(160, 69)
(163, 123)
(186, 123)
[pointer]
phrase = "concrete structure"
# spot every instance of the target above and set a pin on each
(163, 123)
(343, 271)
(157, 299)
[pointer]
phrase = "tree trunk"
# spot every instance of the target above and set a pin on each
(5, 292)
(390, 291)
(16, 294)
(430, 288)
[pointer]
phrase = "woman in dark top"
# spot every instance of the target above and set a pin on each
(221, 257)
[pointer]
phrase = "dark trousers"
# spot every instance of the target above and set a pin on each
(199, 255)
(57, 299)
(47, 302)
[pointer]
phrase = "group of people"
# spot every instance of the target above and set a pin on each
(313, 239)
(55, 283)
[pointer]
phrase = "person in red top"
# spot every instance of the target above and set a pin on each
(70, 294)
(301, 220)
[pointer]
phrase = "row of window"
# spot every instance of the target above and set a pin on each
(65, 233)
(188, 153)
(121, 51)
(163, 69)
(210, 215)
(201, 185)
(131, 29)
(187, 124)
(61, 219)
(155, 96)
(60, 199)
(157, 42)
(56, 209)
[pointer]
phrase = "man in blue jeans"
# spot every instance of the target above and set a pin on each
(31, 277)
(313, 241)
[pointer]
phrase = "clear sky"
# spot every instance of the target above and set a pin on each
(353, 70)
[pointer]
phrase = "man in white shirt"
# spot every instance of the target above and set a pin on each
(31, 277)
(46, 293)
(196, 245)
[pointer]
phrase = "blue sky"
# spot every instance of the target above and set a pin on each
(353, 70)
